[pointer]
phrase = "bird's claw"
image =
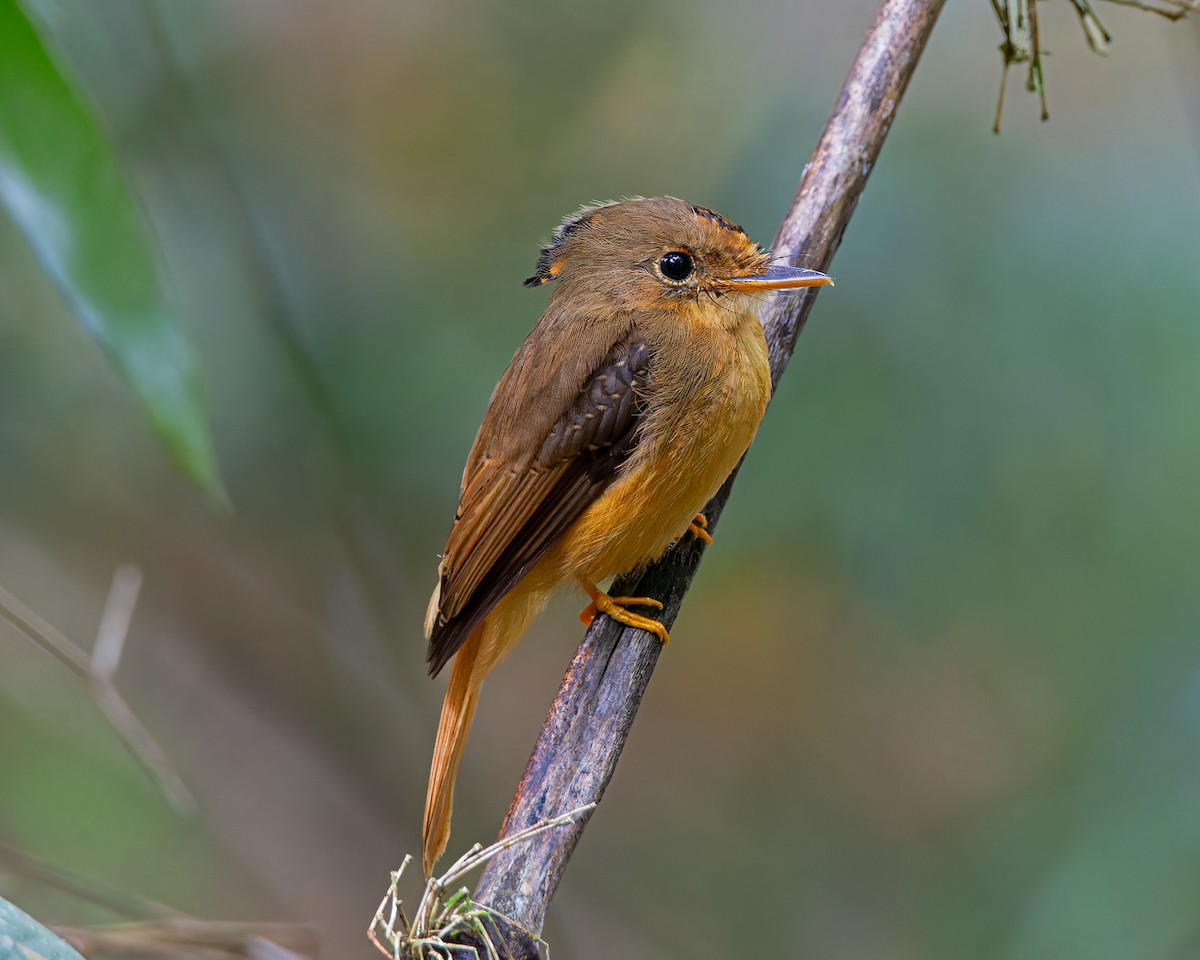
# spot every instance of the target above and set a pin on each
(698, 528)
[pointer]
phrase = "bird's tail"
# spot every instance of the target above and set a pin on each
(483, 649)
(457, 710)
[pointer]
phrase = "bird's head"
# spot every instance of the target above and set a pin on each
(653, 253)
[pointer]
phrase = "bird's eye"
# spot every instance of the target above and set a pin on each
(676, 266)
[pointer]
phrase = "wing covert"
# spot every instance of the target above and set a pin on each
(511, 514)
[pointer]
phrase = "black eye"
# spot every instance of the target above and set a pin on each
(676, 265)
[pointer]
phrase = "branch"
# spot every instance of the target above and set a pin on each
(593, 711)
(98, 671)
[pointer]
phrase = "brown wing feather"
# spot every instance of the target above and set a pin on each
(502, 481)
(507, 522)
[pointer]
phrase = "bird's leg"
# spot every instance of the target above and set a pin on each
(698, 528)
(615, 607)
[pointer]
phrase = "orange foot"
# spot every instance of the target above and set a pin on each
(615, 607)
(698, 528)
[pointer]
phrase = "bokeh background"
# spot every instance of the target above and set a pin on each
(936, 692)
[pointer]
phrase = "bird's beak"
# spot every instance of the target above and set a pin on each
(774, 278)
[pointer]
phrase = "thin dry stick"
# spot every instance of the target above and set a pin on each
(441, 914)
(175, 939)
(16, 860)
(1182, 7)
(590, 719)
(98, 671)
(1023, 43)
(1037, 78)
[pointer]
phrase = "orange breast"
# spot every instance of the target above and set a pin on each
(709, 391)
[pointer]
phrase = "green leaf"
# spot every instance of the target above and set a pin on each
(23, 938)
(60, 181)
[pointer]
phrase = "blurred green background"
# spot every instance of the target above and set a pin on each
(936, 692)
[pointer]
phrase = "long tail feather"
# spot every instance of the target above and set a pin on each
(484, 648)
(457, 711)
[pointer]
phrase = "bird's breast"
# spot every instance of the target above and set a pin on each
(709, 387)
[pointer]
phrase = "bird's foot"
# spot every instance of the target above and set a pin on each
(698, 528)
(615, 607)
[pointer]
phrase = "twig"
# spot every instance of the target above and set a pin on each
(1008, 52)
(115, 620)
(43, 634)
(178, 939)
(29, 867)
(1097, 37)
(1182, 7)
(168, 934)
(590, 719)
(1037, 79)
(98, 671)
(1023, 42)
(446, 925)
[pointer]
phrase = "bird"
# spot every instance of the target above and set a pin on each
(620, 415)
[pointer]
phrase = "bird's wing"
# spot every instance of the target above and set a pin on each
(541, 458)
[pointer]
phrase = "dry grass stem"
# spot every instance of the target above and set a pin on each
(1022, 43)
(439, 917)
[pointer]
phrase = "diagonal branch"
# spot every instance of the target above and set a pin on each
(593, 711)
